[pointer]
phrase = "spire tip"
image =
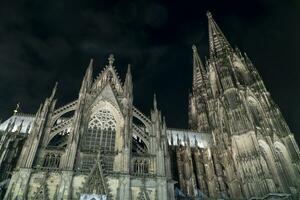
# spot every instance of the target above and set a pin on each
(111, 59)
(209, 15)
(194, 48)
(129, 68)
(91, 61)
(154, 101)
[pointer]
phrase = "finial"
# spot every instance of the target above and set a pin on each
(194, 48)
(17, 109)
(90, 64)
(91, 61)
(209, 15)
(54, 90)
(111, 59)
(129, 69)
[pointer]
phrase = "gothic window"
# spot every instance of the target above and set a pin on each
(101, 133)
(51, 160)
(100, 136)
(141, 166)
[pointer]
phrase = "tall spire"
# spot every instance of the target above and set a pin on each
(198, 70)
(218, 43)
(128, 81)
(88, 78)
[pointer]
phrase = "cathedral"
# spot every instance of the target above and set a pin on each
(101, 147)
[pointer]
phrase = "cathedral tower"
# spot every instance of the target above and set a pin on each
(100, 146)
(254, 151)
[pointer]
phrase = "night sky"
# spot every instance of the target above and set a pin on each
(46, 41)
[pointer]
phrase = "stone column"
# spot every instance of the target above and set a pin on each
(124, 191)
(18, 186)
(64, 191)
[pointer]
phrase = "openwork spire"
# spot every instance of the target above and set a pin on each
(218, 44)
(198, 70)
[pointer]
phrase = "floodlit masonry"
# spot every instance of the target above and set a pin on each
(100, 146)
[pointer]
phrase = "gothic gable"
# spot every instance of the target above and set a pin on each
(108, 76)
(96, 182)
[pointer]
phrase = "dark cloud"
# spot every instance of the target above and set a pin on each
(41, 42)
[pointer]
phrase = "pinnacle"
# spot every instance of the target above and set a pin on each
(154, 102)
(111, 59)
(91, 61)
(209, 15)
(194, 48)
(129, 68)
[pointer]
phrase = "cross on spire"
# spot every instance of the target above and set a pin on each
(111, 60)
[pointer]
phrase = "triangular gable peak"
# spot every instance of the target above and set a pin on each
(143, 194)
(108, 75)
(96, 182)
(42, 191)
(106, 95)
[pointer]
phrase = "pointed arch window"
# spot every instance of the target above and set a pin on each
(51, 160)
(101, 132)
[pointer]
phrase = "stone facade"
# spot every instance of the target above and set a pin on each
(100, 146)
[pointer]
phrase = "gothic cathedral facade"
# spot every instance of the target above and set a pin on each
(100, 146)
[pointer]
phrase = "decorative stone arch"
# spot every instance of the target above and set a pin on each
(255, 110)
(222, 112)
(268, 157)
(241, 72)
(102, 132)
(285, 162)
